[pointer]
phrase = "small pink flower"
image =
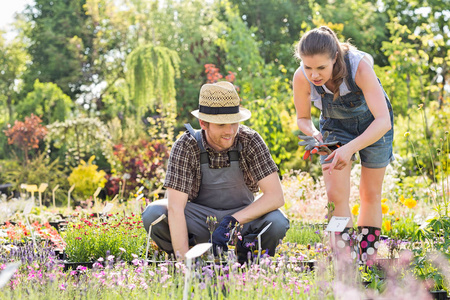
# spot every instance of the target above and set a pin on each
(62, 287)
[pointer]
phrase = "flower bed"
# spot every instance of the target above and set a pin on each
(91, 238)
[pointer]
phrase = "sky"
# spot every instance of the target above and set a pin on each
(8, 9)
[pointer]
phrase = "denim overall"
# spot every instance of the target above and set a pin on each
(348, 116)
(222, 192)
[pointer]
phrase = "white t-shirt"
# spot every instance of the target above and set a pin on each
(355, 57)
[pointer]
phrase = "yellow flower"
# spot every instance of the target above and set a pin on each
(383, 200)
(384, 208)
(387, 225)
(392, 212)
(407, 134)
(355, 209)
(401, 199)
(410, 203)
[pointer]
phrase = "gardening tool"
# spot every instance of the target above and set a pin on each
(313, 146)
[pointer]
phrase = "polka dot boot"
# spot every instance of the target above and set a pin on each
(368, 238)
(346, 245)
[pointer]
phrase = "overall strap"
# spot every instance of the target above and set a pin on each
(320, 90)
(197, 134)
(349, 79)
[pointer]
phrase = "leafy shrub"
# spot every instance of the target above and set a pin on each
(86, 178)
(142, 164)
(26, 135)
(77, 139)
(39, 170)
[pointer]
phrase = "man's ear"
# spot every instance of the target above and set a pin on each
(203, 124)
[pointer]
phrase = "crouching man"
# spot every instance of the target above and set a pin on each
(214, 172)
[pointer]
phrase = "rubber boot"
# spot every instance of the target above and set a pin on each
(346, 248)
(368, 238)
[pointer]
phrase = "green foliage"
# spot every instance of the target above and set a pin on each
(39, 170)
(144, 161)
(423, 154)
(403, 228)
(86, 178)
(79, 139)
(304, 234)
(367, 34)
(232, 36)
(59, 37)
(274, 127)
(276, 24)
(13, 56)
(151, 73)
(273, 114)
(119, 235)
(46, 100)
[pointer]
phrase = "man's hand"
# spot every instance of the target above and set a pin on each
(222, 235)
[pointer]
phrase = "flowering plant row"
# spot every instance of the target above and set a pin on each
(91, 238)
(20, 233)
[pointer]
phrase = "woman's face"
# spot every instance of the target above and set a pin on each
(318, 68)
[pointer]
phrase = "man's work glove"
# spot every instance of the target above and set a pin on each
(222, 235)
(313, 146)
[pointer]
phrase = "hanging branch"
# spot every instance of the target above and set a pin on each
(151, 73)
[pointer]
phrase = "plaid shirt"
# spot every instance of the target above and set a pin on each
(183, 172)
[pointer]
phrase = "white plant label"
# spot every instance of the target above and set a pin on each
(337, 224)
(42, 187)
(28, 208)
(107, 208)
(198, 250)
(97, 191)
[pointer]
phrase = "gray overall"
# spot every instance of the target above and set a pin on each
(222, 192)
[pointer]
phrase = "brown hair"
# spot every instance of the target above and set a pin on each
(323, 40)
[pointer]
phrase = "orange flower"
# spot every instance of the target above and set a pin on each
(387, 225)
(410, 203)
(384, 208)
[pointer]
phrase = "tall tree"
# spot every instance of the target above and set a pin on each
(428, 23)
(278, 23)
(363, 23)
(151, 73)
(13, 59)
(47, 101)
(60, 45)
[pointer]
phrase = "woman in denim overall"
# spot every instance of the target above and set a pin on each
(356, 112)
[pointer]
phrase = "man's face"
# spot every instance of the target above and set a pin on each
(220, 136)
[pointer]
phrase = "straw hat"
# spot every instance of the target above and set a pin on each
(219, 104)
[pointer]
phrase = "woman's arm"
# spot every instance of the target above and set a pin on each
(367, 81)
(302, 102)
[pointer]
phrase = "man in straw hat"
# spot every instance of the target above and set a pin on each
(214, 172)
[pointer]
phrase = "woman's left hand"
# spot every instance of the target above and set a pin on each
(341, 158)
